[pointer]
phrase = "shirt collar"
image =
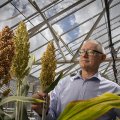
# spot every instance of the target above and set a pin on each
(78, 76)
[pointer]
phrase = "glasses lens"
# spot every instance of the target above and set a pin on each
(90, 52)
(82, 52)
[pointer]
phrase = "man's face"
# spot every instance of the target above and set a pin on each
(90, 59)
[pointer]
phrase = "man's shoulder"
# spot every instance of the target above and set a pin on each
(108, 80)
(110, 83)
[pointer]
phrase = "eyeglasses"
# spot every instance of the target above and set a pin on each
(89, 52)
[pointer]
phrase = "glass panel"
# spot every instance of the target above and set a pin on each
(9, 16)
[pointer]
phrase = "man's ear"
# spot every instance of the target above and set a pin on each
(103, 57)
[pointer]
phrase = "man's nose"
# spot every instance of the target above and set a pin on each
(85, 54)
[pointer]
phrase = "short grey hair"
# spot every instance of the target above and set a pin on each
(100, 47)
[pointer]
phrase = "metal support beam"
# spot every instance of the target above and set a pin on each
(111, 45)
(5, 3)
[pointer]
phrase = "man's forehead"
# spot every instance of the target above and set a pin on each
(89, 44)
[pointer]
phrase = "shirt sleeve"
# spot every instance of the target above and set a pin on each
(53, 106)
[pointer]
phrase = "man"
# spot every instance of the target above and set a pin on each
(88, 83)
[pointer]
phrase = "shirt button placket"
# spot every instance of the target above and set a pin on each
(84, 84)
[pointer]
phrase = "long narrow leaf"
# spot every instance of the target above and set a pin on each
(52, 86)
(87, 103)
(9, 116)
(68, 107)
(91, 113)
(30, 63)
(90, 109)
(20, 98)
(6, 116)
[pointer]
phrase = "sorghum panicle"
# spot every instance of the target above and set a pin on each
(48, 62)
(6, 52)
(21, 58)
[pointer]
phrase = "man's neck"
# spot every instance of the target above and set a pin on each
(87, 74)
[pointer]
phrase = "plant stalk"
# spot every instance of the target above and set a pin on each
(18, 107)
(44, 110)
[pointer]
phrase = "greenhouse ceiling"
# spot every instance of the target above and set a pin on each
(67, 23)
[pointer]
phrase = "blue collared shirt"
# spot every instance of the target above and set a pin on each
(75, 88)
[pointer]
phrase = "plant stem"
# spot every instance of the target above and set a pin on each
(44, 110)
(18, 111)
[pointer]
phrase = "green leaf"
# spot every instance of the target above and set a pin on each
(24, 87)
(1, 112)
(9, 116)
(1, 118)
(90, 109)
(5, 116)
(30, 63)
(52, 86)
(29, 66)
(68, 107)
(92, 113)
(21, 99)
